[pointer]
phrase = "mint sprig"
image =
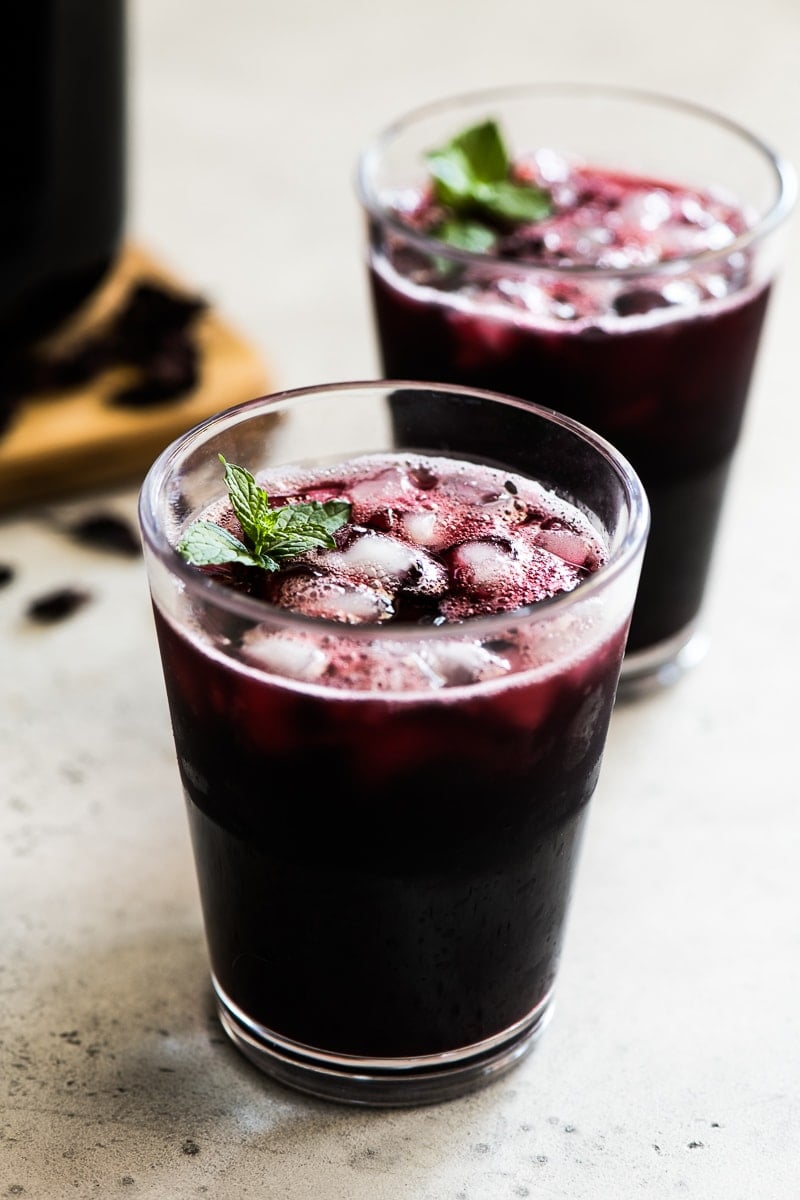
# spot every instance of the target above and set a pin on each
(471, 179)
(271, 534)
(467, 235)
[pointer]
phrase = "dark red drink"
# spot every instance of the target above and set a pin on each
(419, 850)
(387, 747)
(670, 395)
(633, 303)
(385, 880)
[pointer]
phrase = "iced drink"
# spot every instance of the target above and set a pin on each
(388, 743)
(625, 282)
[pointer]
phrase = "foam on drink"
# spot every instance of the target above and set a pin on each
(600, 220)
(432, 541)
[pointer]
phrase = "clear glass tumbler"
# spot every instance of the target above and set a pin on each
(634, 301)
(386, 813)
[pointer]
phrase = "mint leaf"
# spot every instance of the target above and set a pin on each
(250, 502)
(206, 544)
(471, 179)
(475, 156)
(466, 235)
(485, 151)
(454, 181)
(271, 534)
(516, 203)
(296, 528)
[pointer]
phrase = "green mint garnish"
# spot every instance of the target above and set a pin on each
(271, 534)
(471, 178)
(467, 235)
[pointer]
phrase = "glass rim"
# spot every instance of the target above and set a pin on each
(784, 175)
(153, 492)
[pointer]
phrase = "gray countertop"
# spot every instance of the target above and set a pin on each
(671, 1066)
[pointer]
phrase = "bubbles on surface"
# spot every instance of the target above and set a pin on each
(372, 666)
(603, 220)
(494, 543)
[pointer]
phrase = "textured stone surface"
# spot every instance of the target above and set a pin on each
(671, 1065)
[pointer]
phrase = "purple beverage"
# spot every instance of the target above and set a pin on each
(388, 740)
(632, 302)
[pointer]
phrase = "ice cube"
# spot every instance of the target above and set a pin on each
(375, 494)
(405, 200)
(590, 243)
(679, 241)
(566, 544)
(483, 567)
(407, 672)
(458, 663)
(646, 210)
(356, 604)
(525, 293)
(719, 235)
(384, 666)
(419, 527)
(619, 258)
(471, 489)
(376, 558)
(334, 598)
(564, 312)
(681, 291)
(373, 556)
(716, 285)
(552, 167)
(287, 654)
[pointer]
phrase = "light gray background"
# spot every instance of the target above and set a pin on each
(671, 1067)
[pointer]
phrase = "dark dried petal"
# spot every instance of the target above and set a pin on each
(57, 605)
(104, 531)
(151, 314)
(151, 332)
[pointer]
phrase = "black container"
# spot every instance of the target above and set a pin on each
(62, 158)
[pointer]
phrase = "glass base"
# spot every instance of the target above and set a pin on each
(658, 667)
(382, 1082)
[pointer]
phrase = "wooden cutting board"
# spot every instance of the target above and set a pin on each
(63, 443)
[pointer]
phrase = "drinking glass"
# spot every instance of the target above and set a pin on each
(385, 856)
(654, 351)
